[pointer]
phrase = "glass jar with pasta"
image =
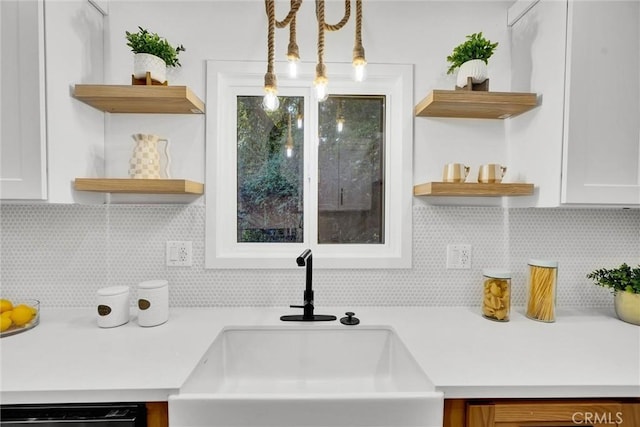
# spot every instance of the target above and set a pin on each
(541, 298)
(496, 294)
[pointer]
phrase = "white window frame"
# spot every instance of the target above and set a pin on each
(228, 79)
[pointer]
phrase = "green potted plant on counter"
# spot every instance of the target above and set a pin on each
(471, 59)
(624, 282)
(153, 54)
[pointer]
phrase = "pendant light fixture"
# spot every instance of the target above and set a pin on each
(270, 101)
(359, 61)
(293, 54)
(321, 81)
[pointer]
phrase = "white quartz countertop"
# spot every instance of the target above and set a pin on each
(68, 358)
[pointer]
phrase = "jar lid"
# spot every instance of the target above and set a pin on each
(496, 273)
(543, 263)
(113, 290)
(153, 284)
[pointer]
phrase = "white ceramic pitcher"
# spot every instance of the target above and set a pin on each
(147, 162)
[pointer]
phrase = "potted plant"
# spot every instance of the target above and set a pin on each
(152, 54)
(624, 282)
(471, 59)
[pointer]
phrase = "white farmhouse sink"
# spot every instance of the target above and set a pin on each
(307, 376)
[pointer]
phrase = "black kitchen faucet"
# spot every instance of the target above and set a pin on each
(306, 259)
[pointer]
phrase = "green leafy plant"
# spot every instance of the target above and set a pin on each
(476, 47)
(145, 42)
(621, 279)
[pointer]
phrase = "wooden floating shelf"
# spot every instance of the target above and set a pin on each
(473, 189)
(140, 99)
(475, 104)
(145, 186)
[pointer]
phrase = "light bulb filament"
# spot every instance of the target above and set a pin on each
(270, 102)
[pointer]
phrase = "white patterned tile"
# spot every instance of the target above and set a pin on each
(62, 254)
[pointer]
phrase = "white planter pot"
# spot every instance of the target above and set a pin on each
(476, 69)
(627, 307)
(143, 62)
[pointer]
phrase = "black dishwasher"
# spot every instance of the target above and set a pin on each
(74, 415)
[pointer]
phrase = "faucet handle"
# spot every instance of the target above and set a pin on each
(350, 319)
(296, 306)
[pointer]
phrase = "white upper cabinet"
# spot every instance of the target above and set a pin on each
(582, 146)
(48, 137)
(601, 154)
(23, 132)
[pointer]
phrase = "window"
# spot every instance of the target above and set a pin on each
(351, 169)
(269, 171)
(333, 176)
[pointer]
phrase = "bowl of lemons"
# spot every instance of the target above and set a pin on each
(18, 316)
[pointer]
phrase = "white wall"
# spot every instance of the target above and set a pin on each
(63, 253)
(422, 33)
(75, 131)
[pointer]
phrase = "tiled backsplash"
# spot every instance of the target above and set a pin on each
(61, 254)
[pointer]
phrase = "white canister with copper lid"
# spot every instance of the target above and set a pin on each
(113, 306)
(153, 302)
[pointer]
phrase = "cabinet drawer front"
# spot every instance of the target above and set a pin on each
(595, 413)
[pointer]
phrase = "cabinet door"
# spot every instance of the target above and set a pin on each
(329, 178)
(22, 112)
(546, 414)
(346, 174)
(157, 414)
(355, 178)
(601, 152)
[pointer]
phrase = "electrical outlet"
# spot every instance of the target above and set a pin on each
(458, 257)
(179, 254)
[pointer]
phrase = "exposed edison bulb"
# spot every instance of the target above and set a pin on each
(340, 124)
(293, 66)
(320, 85)
(359, 70)
(270, 102)
(289, 151)
(299, 121)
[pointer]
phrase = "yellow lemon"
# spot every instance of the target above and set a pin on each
(5, 305)
(22, 314)
(5, 323)
(6, 314)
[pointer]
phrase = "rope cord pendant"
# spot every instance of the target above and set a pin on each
(270, 77)
(293, 53)
(321, 71)
(320, 81)
(358, 49)
(270, 80)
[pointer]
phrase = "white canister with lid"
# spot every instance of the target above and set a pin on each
(113, 306)
(541, 298)
(153, 302)
(496, 294)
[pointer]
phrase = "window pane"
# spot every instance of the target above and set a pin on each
(350, 169)
(270, 171)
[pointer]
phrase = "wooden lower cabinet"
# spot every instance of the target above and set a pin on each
(157, 414)
(542, 413)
